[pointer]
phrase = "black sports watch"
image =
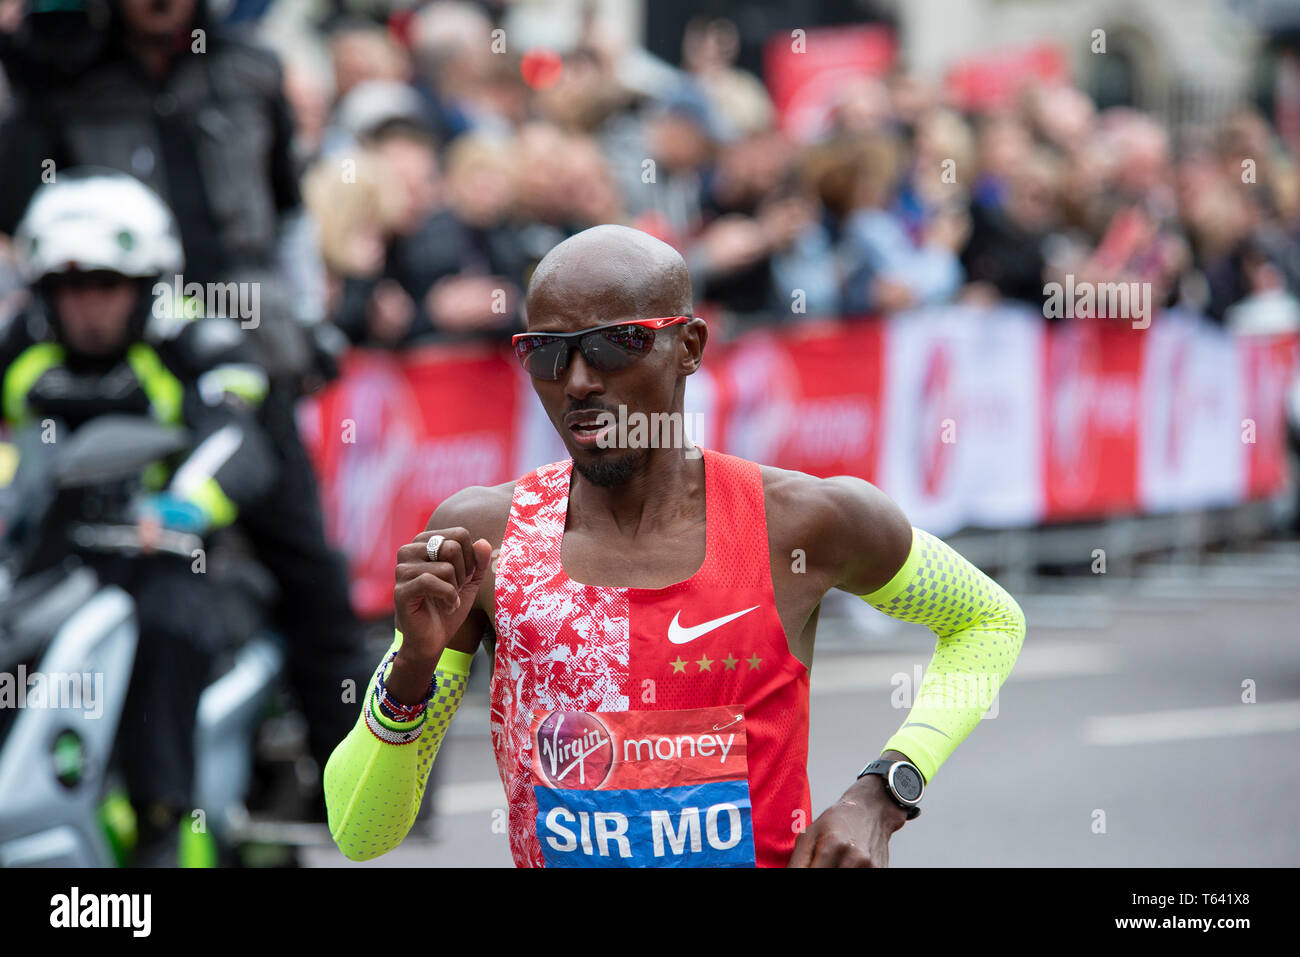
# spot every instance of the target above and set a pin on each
(903, 782)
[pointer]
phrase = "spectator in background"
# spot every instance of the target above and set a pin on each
(1246, 142)
(540, 188)
(862, 106)
(736, 97)
(470, 245)
(594, 196)
(583, 97)
(309, 90)
(1267, 307)
(1061, 116)
(562, 185)
(507, 100)
(680, 138)
(1141, 173)
(886, 268)
(368, 109)
(210, 131)
(435, 257)
(384, 306)
(764, 239)
(942, 161)
(1220, 224)
(1086, 178)
(364, 51)
(1001, 142)
(912, 98)
(588, 100)
(1009, 243)
(1242, 232)
(467, 82)
(357, 215)
(411, 156)
(1142, 241)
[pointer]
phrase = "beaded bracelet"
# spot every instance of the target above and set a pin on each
(390, 707)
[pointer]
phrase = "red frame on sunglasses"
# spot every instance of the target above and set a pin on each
(599, 349)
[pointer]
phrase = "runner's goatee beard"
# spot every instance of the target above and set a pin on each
(608, 472)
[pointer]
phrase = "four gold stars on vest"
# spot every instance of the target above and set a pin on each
(705, 663)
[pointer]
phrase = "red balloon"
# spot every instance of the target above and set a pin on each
(541, 68)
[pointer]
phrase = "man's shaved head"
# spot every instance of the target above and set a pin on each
(608, 273)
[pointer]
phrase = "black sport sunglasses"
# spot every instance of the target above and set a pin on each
(608, 348)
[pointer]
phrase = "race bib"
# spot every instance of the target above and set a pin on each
(643, 788)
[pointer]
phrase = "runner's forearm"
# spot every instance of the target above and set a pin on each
(980, 630)
(375, 779)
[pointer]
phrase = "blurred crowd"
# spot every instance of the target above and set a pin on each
(439, 162)
(440, 171)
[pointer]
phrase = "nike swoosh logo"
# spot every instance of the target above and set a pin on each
(680, 636)
(918, 724)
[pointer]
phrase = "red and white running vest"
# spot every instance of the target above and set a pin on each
(648, 726)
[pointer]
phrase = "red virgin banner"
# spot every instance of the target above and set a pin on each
(966, 417)
(394, 437)
(1092, 375)
(806, 399)
(1269, 364)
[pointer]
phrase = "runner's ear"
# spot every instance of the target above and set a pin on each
(690, 345)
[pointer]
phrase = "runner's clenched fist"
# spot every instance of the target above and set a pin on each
(432, 599)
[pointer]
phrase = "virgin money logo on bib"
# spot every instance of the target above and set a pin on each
(643, 788)
(574, 750)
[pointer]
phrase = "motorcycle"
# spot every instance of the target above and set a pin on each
(62, 629)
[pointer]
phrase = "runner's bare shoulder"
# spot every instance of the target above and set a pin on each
(847, 526)
(801, 504)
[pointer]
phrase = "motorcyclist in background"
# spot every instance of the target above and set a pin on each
(95, 340)
(157, 89)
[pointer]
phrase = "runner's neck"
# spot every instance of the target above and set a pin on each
(667, 494)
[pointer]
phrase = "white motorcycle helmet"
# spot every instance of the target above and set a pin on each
(93, 219)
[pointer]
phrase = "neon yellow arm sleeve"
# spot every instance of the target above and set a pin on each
(374, 780)
(980, 630)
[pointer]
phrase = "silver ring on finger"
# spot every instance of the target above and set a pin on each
(432, 545)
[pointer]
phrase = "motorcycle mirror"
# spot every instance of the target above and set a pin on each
(112, 447)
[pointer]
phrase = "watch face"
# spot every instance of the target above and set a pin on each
(907, 782)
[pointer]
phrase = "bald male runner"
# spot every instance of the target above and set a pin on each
(652, 635)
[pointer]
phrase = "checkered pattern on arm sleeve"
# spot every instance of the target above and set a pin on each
(374, 780)
(980, 629)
